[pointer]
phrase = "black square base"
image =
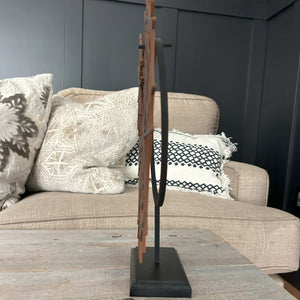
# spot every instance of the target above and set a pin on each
(166, 279)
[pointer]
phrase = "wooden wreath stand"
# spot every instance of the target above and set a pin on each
(161, 273)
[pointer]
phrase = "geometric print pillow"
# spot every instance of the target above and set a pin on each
(85, 145)
(195, 163)
(25, 105)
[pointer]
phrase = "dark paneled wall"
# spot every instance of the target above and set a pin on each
(110, 39)
(110, 42)
(212, 59)
(41, 36)
(278, 144)
(244, 55)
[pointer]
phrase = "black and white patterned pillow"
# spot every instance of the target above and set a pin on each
(25, 105)
(195, 163)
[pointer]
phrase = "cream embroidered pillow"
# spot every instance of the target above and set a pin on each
(195, 163)
(85, 145)
(25, 105)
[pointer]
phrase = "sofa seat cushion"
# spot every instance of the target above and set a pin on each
(266, 236)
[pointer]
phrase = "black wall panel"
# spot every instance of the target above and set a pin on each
(110, 43)
(278, 101)
(212, 59)
(167, 30)
(41, 36)
(261, 9)
(253, 92)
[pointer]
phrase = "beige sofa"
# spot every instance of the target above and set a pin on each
(268, 237)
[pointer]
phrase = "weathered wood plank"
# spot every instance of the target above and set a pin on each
(95, 265)
(107, 251)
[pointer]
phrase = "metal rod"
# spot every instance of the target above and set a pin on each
(157, 233)
(165, 45)
(164, 118)
(159, 195)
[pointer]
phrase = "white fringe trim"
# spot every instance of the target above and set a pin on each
(230, 148)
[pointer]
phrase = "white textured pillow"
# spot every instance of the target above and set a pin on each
(25, 105)
(85, 145)
(195, 163)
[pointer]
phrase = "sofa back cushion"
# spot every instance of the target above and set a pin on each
(188, 113)
(268, 237)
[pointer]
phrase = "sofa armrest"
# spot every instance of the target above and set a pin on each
(249, 183)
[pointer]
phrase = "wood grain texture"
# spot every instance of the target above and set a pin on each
(145, 120)
(94, 264)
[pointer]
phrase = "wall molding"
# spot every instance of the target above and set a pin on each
(259, 9)
(254, 89)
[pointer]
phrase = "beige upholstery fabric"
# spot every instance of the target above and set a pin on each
(249, 183)
(278, 279)
(268, 237)
(188, 113)
(82, 95)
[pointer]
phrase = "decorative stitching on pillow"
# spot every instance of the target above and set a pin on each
(195, 163)
(85, 145)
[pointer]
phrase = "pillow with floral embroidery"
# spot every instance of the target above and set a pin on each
(25, 105)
